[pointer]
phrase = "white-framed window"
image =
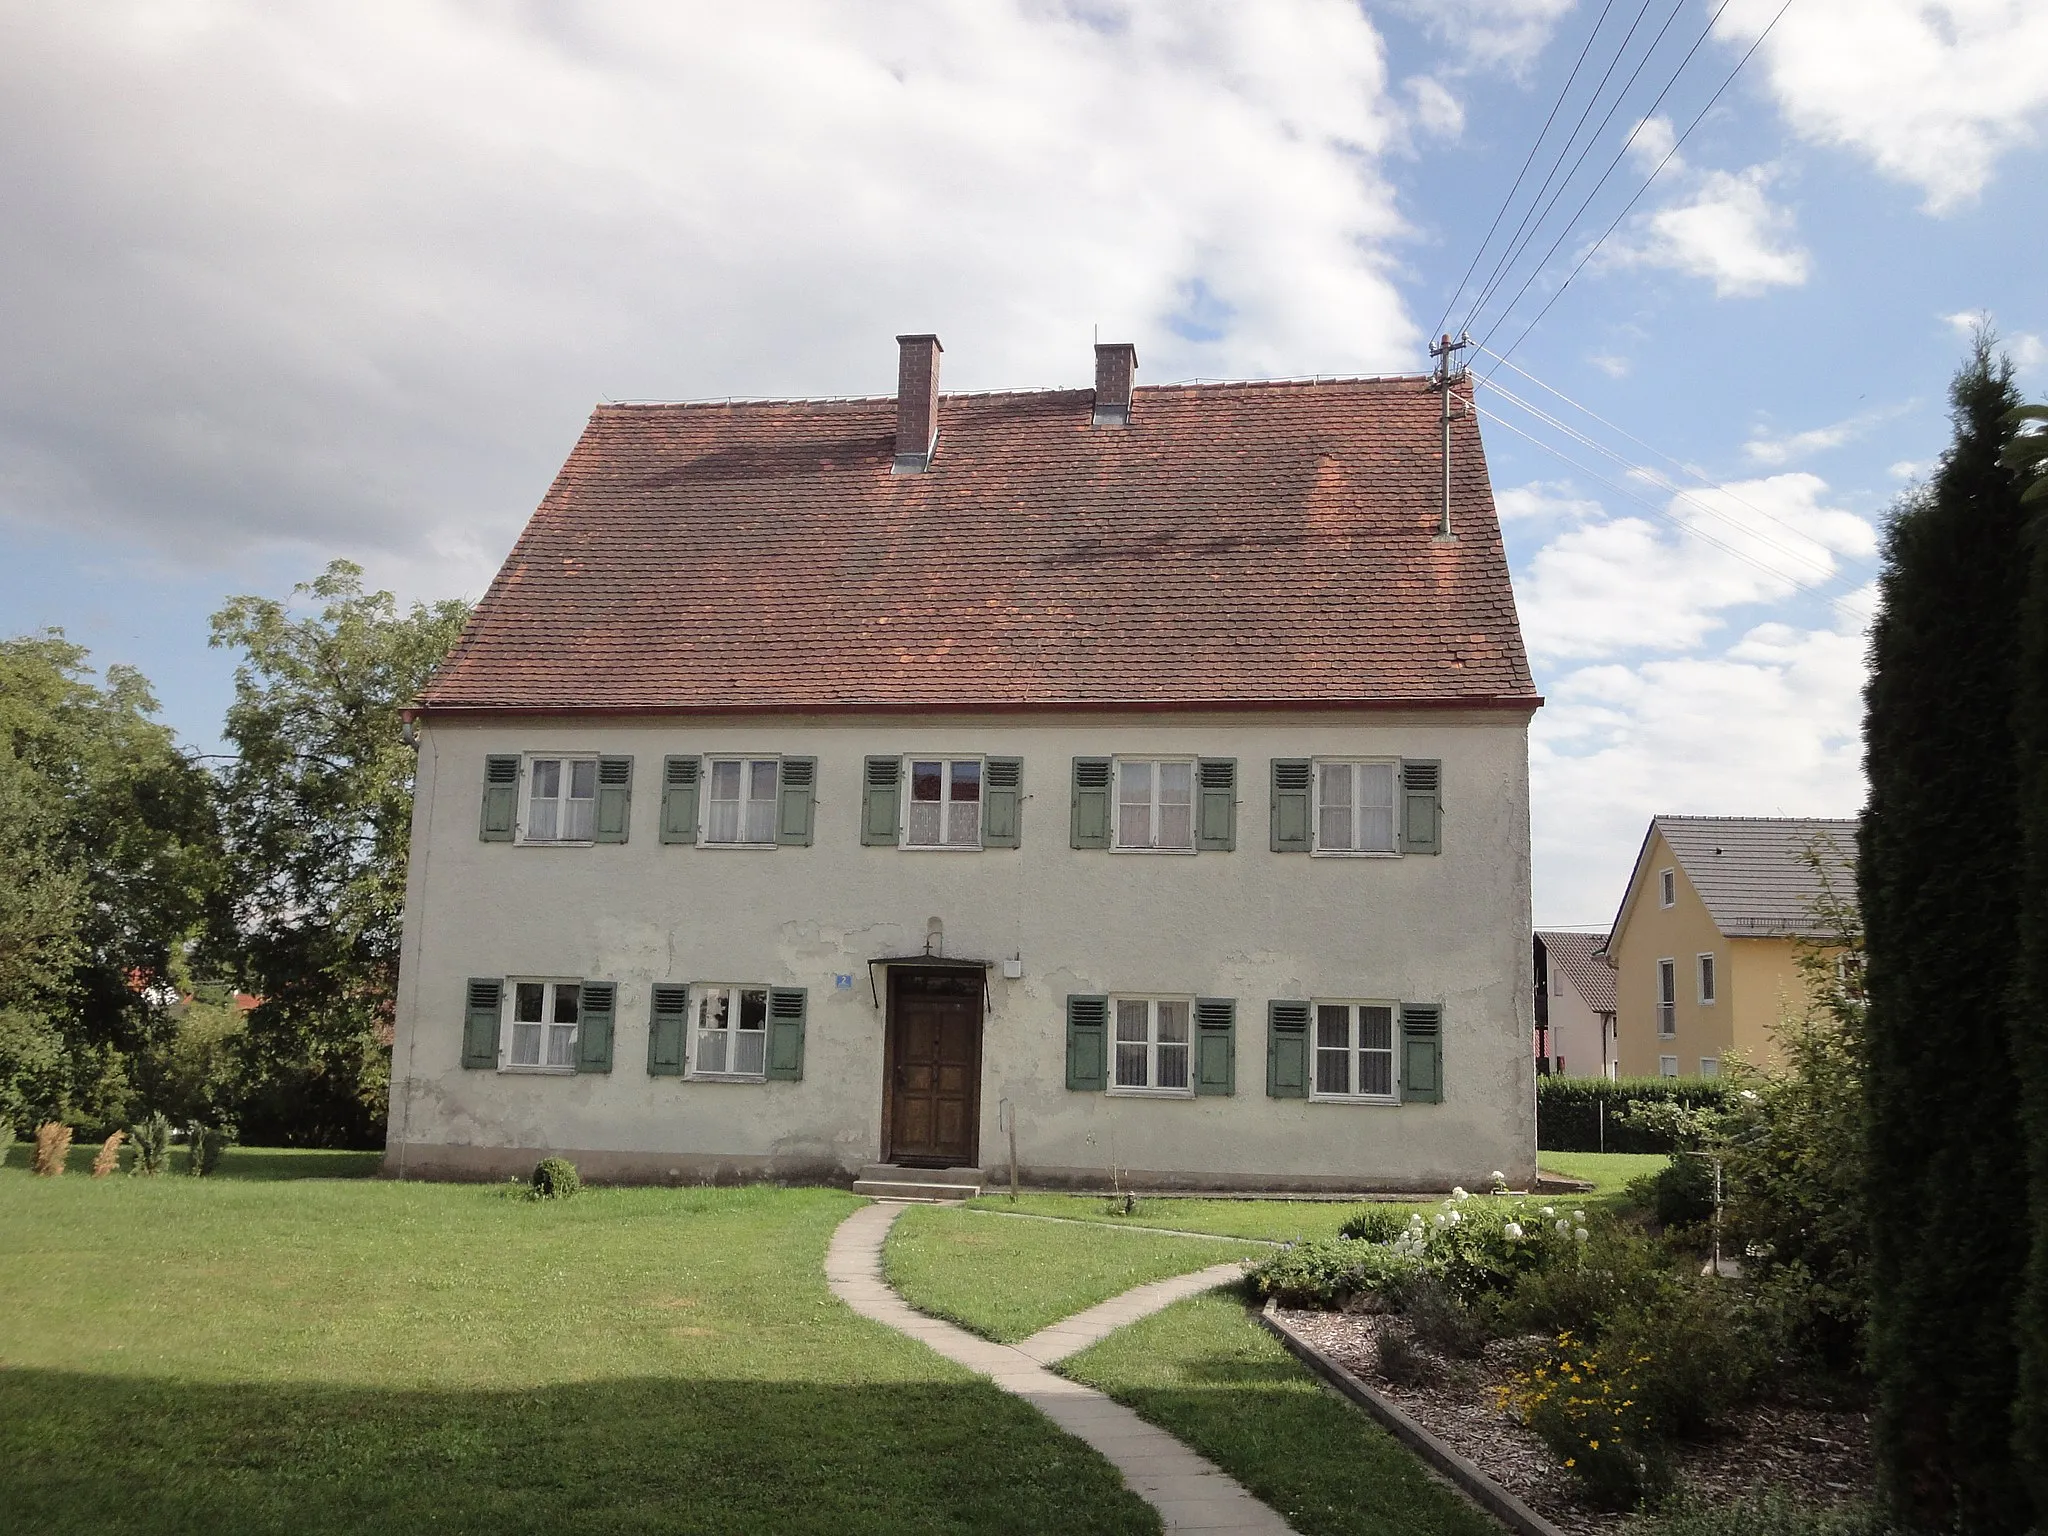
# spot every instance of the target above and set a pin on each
(1354, 1053)
(729, 1032)
(1667, 1066)
(1667, 998)
(943, 803)
(1155, 804)
(1710, 1066)
(1667, 887)
(739, 801)
(540, 1024)
(1354, 810)
(1707, 978)
(561, 800)
(1150, 1053)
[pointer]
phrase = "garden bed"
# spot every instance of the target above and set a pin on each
(1818, 1454)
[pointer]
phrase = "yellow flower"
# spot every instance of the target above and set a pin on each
(1593, 1445)
(1570, 1461)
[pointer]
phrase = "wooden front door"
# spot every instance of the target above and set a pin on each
(932, 1080)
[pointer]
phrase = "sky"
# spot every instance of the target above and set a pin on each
(281, 283)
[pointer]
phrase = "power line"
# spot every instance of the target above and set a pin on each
(1826, 566)
(1810, 588)
(1508, 201)
(1676, 143)
(1501, 272)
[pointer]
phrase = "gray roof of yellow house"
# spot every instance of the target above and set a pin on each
(1753, 873)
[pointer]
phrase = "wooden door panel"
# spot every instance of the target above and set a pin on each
(934, 1042)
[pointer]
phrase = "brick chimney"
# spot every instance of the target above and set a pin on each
(1115, 364)
(917, 404)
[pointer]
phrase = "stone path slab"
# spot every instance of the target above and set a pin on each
(1190, 1492)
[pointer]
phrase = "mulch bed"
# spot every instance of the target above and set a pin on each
(1818, 1454)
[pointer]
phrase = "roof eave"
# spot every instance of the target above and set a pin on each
(1524, 704)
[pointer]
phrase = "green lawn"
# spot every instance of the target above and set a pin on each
(1607, 1172)
(235, 1163)
(318, 1356)
(1275, 1220)
(1007, 1279)
(1206, 1372)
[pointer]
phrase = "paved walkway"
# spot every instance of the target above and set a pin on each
(1190, 1493)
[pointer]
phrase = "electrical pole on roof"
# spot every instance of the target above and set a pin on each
(1450, 372)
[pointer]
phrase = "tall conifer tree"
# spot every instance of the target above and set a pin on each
(1938, 878)
(2027, 456)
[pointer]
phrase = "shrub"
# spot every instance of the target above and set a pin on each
(1480, 1246)
(109, 1158)
(205, 1145)
(1445, 1322)
(1331, 1272)
(1375, 1224)
(1569, 1110)
(151, 1137)
(1773, 1513)
(1586, 1406)
(1400, 1362)
(53, 1145)
(1616, 1269)
(555, 1178)
(6, 1139)
(1680, 1194)
(1696, 1354)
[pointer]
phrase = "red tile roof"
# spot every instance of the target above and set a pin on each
(1236, 544)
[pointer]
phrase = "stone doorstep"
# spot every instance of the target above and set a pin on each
(923, 1194)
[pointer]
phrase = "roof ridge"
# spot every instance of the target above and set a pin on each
(1181, 386)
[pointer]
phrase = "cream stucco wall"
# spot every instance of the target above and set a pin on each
(1577, 1033)
(1250, 924)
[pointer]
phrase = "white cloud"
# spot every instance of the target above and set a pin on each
(1498, 34)
(1727, 231)
(2026, 350)
(1910, 469)
(1615, 586)
(348, 279)
(1614, 367)
(1433, 109)
(1932, 92)
(1770, 727)
(1765, 449)
(1544, 499)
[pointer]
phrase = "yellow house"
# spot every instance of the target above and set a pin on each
(1706, 940)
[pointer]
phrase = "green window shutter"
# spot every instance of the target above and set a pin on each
(679, 799)
(1422, 1053)
(1421, 806)
(668, 1012)
(480, 1023)
(1087, 1043)
(878, 801)
(1291, 778)
(614, 798)
(1215, 1045)
(1002, 802)
(501, 799)
(786, 1007)
(798, 795)
(1216, 824)
(1091, 802)
(1286, 1050)
(594, 1026)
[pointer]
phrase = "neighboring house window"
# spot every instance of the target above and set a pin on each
(1668, 882)
(1354, 807)
(561, 800)
(1706, 978)
(1849, 972)
(1710, 1066)
(1155, 805)
(541, 1017)
(1354, 1052)
(945, 804)
(1667, 1066)
(1151, 1045)
(729, 1031)
(1667, 998)
(740, 810)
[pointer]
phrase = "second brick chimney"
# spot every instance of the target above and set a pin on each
(917, 403)
(1116, 363)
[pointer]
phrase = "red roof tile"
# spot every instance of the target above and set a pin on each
(1249, 544)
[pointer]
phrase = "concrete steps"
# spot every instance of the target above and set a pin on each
(888, 1181)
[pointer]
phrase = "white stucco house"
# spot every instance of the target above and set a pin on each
(833, 783)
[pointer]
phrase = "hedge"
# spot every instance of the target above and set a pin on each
(1569, 1110)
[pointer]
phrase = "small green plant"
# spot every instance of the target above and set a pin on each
(6, 1140)
(205, 1145)
(1333, 1272)
(555, 1178)
(1698, 1354)
(151, 1138)
(1587, 1406)
(1400, 1362)
(1445, 1321)
(1772, 1513)
(1375, 1224)
(53, 1145)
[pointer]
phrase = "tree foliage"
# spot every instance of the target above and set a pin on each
(1937, 875)
(318, 816)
